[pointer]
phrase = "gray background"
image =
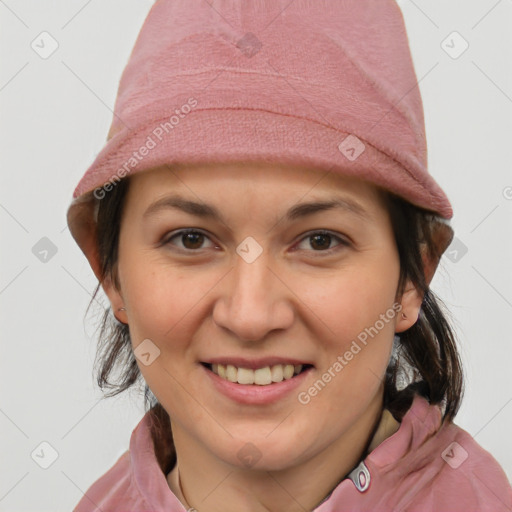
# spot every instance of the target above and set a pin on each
(55, 114)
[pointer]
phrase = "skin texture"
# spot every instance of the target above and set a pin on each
(197, 298)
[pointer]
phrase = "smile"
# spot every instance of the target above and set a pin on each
(264, 376)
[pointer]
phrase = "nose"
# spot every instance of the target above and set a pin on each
(254, 300)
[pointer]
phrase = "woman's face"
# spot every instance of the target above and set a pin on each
(262, 282)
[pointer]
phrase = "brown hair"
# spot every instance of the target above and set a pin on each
(425, 361)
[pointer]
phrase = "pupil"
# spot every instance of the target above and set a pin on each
(317, 238)
(192, 237)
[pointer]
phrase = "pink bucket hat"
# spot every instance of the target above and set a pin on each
(328, 84)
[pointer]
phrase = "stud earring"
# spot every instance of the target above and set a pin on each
(120, 309)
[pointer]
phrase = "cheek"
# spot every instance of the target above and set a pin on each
(357, 319)
(165, 305)
(351, 302)
(356, 352)
(163, 301)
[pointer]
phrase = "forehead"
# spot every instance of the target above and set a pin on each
(269, 179)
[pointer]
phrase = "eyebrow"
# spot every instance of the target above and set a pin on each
(301, 210)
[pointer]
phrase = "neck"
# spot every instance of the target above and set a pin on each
(215, 486)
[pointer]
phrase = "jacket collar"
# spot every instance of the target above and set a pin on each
(391, 441)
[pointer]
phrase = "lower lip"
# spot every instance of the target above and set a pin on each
(254, 393)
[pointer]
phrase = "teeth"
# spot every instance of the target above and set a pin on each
(288, 371)
(245, 376)
(231, 373)
(261, 376)
(277, 373)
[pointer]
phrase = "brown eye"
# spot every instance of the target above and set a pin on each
(189, 240)
(321, 241)
(192, 240)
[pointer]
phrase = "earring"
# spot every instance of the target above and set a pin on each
(120, 309)
(403, 316)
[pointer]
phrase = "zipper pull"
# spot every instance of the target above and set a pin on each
(361, 477)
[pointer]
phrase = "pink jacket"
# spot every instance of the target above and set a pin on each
(421, 467)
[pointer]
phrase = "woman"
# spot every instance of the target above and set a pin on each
(265, 228)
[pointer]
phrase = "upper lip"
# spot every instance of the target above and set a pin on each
(253, 364)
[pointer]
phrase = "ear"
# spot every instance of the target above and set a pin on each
(114, 294)
(412, 299)
(83, 229)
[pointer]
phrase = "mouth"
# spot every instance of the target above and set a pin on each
(264, 376)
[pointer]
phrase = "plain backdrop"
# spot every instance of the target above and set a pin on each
(55, 115)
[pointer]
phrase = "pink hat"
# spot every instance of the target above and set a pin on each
(328, 84)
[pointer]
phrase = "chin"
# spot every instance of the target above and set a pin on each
(263, 455)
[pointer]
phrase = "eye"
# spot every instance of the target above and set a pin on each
(191, 239)
(320, 241)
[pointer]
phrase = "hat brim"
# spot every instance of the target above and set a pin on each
(221, 136)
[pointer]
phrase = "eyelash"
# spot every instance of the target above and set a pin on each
(342, 242)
